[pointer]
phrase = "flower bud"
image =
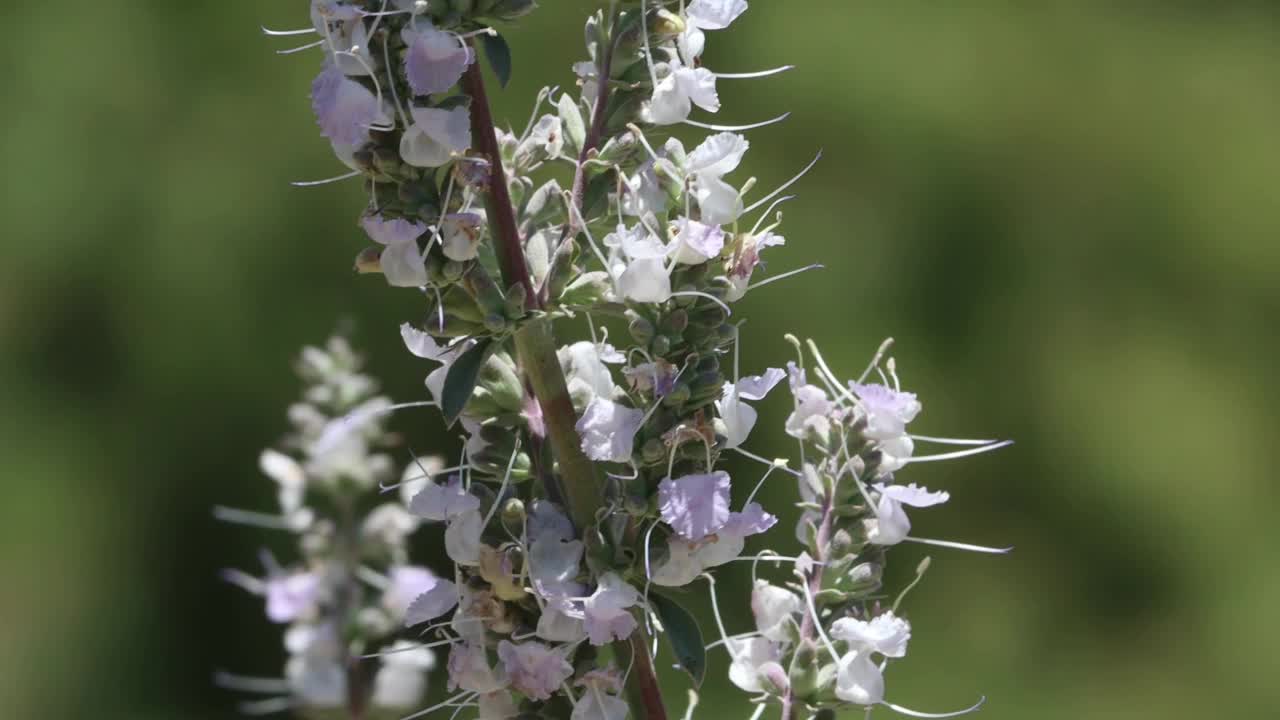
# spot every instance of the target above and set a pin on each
(667, 24)
(513, 512)
(642, 331)
(368, 261)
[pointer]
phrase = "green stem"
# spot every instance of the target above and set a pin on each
(536, 349)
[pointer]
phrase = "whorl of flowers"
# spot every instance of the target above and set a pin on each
(591, 485)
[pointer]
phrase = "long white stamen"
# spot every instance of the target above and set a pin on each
(395, 94)
(425, 476)
(764, 215)
(265, 707)
(817, 621)
(755, 715)
(920, 571)
(506, 482)
(784, 276)
(779, 462)
(712, 298)
(951, 441)
(784, 185)
(300, 48)
(916, 713)
(737, 128)
(960, 453)
(423, 646)
(760, 484)
(960, 546)
(244, 581)
(326, 181)
(245, 683)
(648, 54)
(827, 377)
(875, 359)
(250, 518)
(285, 33)
(715, 610)
(756, 74)
(460, 697)
(725, 640)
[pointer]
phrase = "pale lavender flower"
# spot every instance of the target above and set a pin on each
(887, 412)
(697, 242)
(406, 583)
(812, 406)
(462, 537)
(469, 669)
(606, 616)
(441, 502)
(534, 668)
(401, 261)
(695, 506)
(344, 108)
(290, 596)
(436, 600)
(434, 60)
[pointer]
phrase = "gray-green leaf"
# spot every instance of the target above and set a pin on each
(682, 631)
(461, 379)
(498, 53)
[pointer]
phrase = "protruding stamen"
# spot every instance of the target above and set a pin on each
(460, 697)
(784, 185)
(781, 463)
(269, 706)
(285, 33)
(961, 546)
(757, 74)
(764, 215)
(737, 128)
(875, 359)
(916, 713)
(300, 48)
(785, 275)
(250, 518)
(951, 441)
(920, 571)
(960, 453)
(314, 183)
(245, 683)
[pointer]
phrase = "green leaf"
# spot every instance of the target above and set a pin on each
(461, 380)
(498, 54)
(683, 633)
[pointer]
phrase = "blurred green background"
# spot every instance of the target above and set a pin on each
(1067, 213)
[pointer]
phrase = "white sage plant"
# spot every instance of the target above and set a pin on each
(591, 496)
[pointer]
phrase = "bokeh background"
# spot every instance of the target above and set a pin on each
(1066, 213)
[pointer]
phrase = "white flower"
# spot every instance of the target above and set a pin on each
(462, 538)
(749, 657)
(718, 155)
(402, 679)
(389, 524)
(460, 235)
(587, 375)
(859, 680)
(677, 91)
(405, 584)
(608, 430)
(714, 14)
(812, 406)
(743, 264)
(890, 526)
(316, 682)
(738, 417)
(435, 135)
(886, 634)
(292, 487)
(775, 610)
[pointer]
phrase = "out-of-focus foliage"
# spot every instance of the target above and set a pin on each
(1065, 212)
